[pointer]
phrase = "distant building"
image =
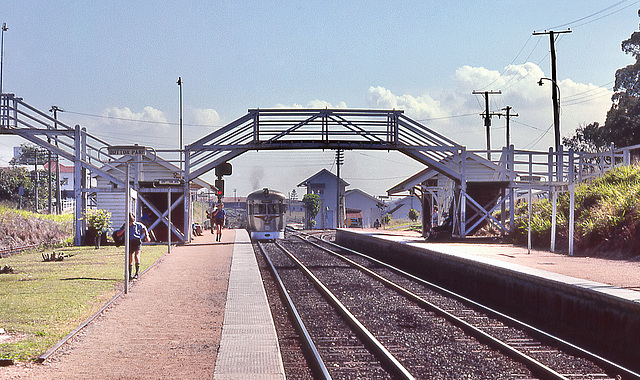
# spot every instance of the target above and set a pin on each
(325, 185)
(66, 178)
(370, 207)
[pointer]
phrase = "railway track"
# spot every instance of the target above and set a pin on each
(361, 318)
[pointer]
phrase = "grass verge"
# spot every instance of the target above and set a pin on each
(41, 302)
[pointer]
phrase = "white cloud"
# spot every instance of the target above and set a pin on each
(117, 115)
(420, 107)
(314, 104)
(205, 116)
(444, 110)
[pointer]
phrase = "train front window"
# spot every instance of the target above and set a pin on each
(267, 208)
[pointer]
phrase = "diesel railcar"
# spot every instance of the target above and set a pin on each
(266, 214)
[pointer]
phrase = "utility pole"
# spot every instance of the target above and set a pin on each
(181, 132)
(55, 110)
(4, 29)
(554, 79)
(339, 162)
(487, 116)
(508, 115)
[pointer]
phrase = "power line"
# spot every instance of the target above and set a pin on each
(141, 120)
(534, 142)
(448, 117)
(597, 13)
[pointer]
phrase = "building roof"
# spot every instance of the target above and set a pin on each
(428, 173)
(316, 176)
(358, 191)
(63, 168)
(195, 183)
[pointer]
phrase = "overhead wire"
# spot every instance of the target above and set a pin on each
(141, 120)
(535, 141)
(512, 61)
(595, 14)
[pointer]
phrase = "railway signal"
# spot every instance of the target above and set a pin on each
(219, 184)
(223, 169)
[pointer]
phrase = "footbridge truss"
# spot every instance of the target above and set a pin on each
(344, 129)
(347, 129)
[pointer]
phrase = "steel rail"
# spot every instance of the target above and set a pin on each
(316, 360)
(383, 354)
(614, 367)
(535, 366)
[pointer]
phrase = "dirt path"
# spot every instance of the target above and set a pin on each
(168, 326)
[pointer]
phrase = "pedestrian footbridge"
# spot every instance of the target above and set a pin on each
(468, 185)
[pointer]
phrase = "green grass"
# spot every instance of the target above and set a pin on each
(43, 301)
(606, 215)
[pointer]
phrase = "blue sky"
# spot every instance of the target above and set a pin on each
(120, 59)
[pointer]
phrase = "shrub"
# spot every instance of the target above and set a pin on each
(413, 215)
(99, 220)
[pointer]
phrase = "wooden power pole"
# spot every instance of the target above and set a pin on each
(554, 79)
(487, 116)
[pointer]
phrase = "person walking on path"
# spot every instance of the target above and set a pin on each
(137, 232)
(219, 216)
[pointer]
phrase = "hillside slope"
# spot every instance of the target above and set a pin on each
(21, 228)
(607, 222)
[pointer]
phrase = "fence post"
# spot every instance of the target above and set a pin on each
(512, 178)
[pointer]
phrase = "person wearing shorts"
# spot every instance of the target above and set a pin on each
(137, 233)
(219, 216)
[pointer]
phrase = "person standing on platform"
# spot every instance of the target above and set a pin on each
(219, 217)
(212, 221)
(137, 233)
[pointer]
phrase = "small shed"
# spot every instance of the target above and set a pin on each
(370, 207)
(153, 181)
(485, 181)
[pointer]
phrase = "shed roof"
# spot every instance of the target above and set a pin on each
(314, 178)
(195, 183)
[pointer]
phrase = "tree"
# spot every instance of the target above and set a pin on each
(11, 180)
(386, 219)
(14, 178)
(99, 221)
(312, 207)
(588, 138)
(622, 126)
(27, 156)
(413, 215)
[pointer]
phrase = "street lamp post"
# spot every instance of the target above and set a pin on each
(555, 95)
(181, 157)
(55, 110)
(4, 29)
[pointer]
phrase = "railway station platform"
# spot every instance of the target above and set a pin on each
(249, 346)
(593, 298)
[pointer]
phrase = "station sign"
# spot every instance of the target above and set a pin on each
(121, 150)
